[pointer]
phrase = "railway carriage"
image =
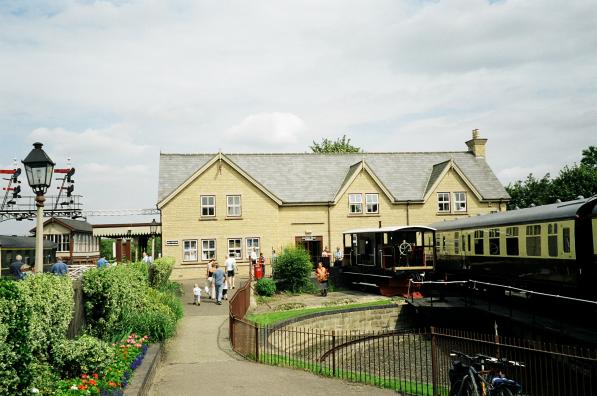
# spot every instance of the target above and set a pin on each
(11, 246)
(550, 248)
(387, 257)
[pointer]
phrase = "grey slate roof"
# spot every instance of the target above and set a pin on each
(75, 225)
(309, 177)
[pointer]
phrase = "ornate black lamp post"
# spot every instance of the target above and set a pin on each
(39, 168)
(153, 230)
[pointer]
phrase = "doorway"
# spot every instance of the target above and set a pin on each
(313, 246)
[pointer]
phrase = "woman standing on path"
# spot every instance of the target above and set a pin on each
(322, 275)
(211, 288)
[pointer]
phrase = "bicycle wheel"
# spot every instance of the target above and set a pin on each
(467, 388)
(502, 392)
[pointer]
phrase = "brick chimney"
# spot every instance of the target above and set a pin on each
(477, 145)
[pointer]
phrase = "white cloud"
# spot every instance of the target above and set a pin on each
(267, 130)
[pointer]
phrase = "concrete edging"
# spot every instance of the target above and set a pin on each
(143, 375)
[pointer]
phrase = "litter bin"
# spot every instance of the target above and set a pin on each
(258, 271)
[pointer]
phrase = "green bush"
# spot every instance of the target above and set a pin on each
(86, 354)
(15, 350)
(160, 271)
(50, 299)
(168, 299)
(45, 378)
(292, 269)
(156, 320)
(265, 287)
(109, 294)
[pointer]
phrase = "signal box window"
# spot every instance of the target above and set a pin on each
(443, 202)
(512, 241)
(566, 239)
(233, 203)
(479, 242)
(208, 249)
(208, 205)
(372, 201)
(460, 202)
(235, 247)
(552, 240)
(494, 241)
(189, 250)
(355, 203)
(534, 240)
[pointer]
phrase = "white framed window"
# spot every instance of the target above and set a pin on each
(235, 247)
(208, 205)
(63, 242)
(233, 205)
(443, 202)
(459, 202)
(252, 243)
(355, 203)
(372, 203)
(189, 250)
(208, 249)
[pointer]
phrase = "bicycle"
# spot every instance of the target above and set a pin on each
(472, 378)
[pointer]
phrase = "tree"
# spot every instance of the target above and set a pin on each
(531, 191)
(589, 157)
(340, 145)
(292, 269)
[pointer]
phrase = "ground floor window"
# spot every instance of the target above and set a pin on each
(189, 248)
(235, 247)
(208, 249)
(252, 243)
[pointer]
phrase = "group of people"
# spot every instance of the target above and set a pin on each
(21, 270)
(219, 281)
(327, 256)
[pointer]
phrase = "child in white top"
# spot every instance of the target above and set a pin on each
(225, 291)
(196, 295)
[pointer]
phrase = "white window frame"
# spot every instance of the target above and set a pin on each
(355, 206)
(238, 252)
(189, 250)
(370, 203)
(230, 207)
(459, 201)
(209, 252)
(250, 243)
(443, 202)
(206, 206)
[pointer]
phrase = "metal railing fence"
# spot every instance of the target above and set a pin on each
(414, 362)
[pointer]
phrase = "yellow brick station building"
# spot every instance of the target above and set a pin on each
(213, 205)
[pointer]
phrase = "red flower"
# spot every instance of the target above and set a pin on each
(95, 376)
(83, 375)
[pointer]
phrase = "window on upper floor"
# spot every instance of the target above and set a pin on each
(208, 249)
(459, 202)
(189, 250)
(208, 205)
(372, 203)
(233, 206)
(355, 203)
(443, 202)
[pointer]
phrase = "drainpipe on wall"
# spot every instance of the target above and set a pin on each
(329, 227)
(407, 214)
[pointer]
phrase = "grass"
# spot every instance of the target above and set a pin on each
(269, 318)
(397, 384)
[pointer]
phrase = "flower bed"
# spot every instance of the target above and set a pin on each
(128, 355)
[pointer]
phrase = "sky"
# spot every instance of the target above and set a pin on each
(111, 84)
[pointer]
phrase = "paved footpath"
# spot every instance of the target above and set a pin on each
(200, 361)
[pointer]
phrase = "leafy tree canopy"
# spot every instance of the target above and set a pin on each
(572, 181)
(340, 145)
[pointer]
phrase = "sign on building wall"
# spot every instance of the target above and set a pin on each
(171, 243)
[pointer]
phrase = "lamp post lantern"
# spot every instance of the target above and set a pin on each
(39, 169)
(153, 229)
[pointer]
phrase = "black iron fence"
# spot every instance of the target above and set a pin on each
(415, 362)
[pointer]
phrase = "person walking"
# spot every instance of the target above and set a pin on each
(15, 267)
(211, 267)
(322, 275)
(219, 277)
(196, 295)
(147, 259)
(59, 268)
(230, 265)
(102, 262)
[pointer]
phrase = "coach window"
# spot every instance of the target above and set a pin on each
(534, 240)
(463, 244)
(468, 243)
(512, 241)
(566, 239)
(552, 239)
(478, 241)
(456, 243)
(494, 241)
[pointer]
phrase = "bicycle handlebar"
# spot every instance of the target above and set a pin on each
(484, 359)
